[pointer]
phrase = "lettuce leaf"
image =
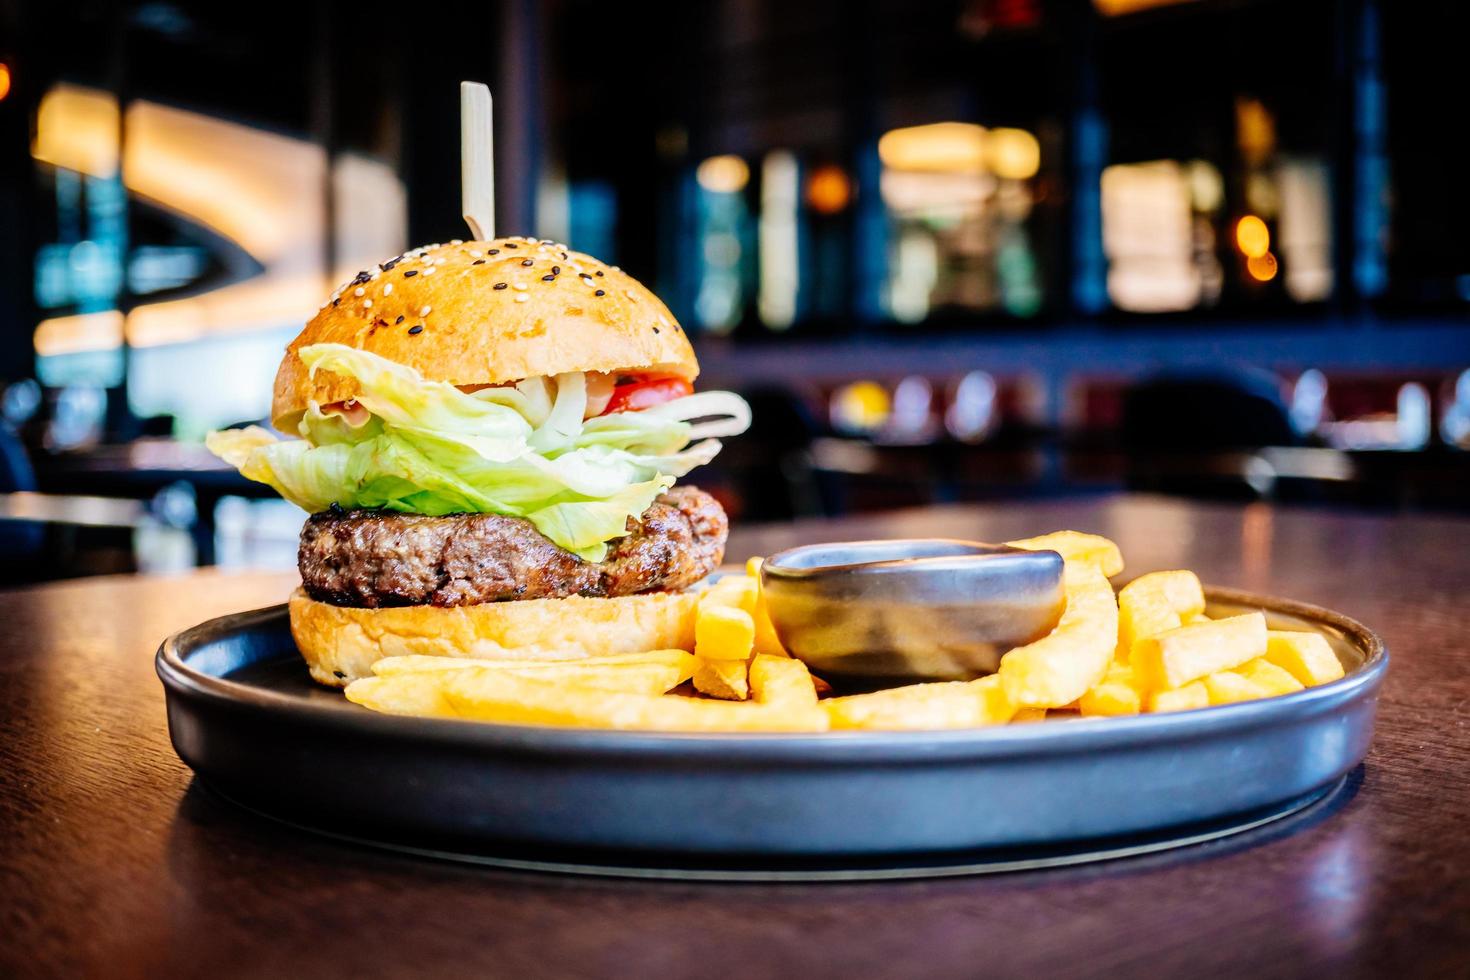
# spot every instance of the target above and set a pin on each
(428, 448)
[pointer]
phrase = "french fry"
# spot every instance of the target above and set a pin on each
(1156, 603)
(1307, 656)
(1228, 687)
(781, 680)
(1276, 680)
(1063, 665)
(1186, 654)
(723, 632)
(406, 694)
(943, 704)
(744, 592)
(1190, 696)
(418, 663)
(1074, 546)
(735, 591)
(728, 680)
(665, 670)
(1026, 716)
(1115, 694)
(508, 698)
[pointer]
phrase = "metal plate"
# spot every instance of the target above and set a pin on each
(244, 715)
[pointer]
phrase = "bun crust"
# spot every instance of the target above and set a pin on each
(341, 644)
(475, 333)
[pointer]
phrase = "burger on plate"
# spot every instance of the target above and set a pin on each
(489, 434)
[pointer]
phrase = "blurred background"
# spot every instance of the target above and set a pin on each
(950, 250)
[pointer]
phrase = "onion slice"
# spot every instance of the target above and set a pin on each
(712, 413)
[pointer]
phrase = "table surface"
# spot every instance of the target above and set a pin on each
(113, 862)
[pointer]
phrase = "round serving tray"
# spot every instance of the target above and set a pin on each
(245, 716)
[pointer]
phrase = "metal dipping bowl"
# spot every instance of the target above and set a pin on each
(918, 609)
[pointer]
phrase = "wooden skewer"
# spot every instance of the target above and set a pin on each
(476, 159)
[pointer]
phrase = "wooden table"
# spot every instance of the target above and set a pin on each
(113, 863)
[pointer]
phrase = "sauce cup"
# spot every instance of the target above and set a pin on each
(914, 609)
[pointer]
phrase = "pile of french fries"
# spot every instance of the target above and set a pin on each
(1148, 648)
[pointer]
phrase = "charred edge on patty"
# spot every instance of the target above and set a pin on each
(373, 558)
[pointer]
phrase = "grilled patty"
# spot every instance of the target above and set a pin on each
(372, 558)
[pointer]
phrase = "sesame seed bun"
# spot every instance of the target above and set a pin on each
(557, 311)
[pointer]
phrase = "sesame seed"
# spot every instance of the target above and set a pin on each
(478, 262)
(440, 261)
(358, 291)
(456, 241)
(500, 285)
(388, 289)
(655, 329)
(494, 251)
(397, 321)
(367, 303)
(548, 278)
(598, 272)
(475, 253)
(556, 270)
(521, 297)
(416, 328)
(426, 311)
(410, 273)
(521, 286)
(563, 255)
(528, 262)
(600, 292)
(430, 270)
(615, 268)
(511, 245)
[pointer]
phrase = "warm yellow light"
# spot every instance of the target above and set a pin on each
(77, 129)
(1253, 237)
(1261, 267)
(1117, 8)
(1255, 130)
(1012, 153)
(726, 174)
(255, 188)
(947, 147)
(861, 405)
(74, 334)
(828, 190)
(4, 80)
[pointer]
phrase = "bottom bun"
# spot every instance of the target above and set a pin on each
(341, 643)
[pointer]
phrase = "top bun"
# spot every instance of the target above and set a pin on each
(490, 312)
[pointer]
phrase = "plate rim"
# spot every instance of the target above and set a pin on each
(859, 748)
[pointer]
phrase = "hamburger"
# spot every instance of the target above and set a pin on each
(486, 435)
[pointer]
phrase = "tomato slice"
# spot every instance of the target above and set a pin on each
(638, 395)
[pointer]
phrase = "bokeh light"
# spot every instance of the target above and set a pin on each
(946, 147)
(4, 80)
(727, 174)
(1254, 239)
(828, 190)
(861, 406)
(1013, 154)
(1261, 267)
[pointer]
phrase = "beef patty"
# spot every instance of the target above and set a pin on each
(372, 558)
